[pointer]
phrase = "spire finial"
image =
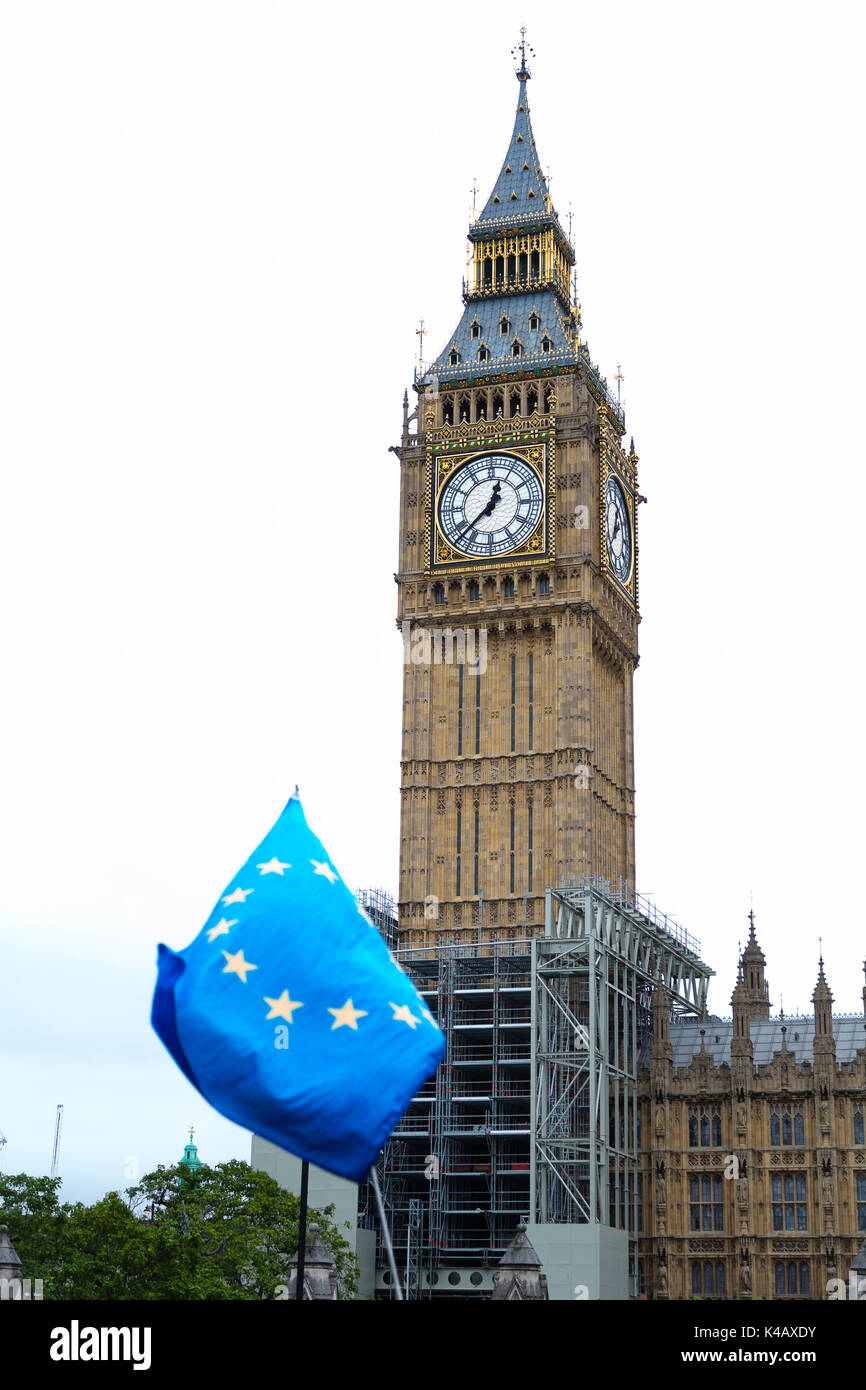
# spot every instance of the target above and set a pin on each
(523, 72)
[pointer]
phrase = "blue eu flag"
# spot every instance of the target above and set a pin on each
(288, 1013)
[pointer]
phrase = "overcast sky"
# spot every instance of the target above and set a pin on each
(222, 224)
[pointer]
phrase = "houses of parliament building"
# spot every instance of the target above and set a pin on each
(642, 1146)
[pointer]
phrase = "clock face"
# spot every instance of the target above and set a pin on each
(618, 530)
(490, 505)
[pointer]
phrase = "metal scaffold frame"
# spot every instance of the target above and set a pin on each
(593, 972)
(534, 1113)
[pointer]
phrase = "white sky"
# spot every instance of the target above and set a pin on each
(221, 225)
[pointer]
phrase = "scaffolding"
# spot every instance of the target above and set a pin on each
(461, 1152)
(593, 974)
(379, 907)
(533, 1115)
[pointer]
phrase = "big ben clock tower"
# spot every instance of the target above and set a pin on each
(518, 597)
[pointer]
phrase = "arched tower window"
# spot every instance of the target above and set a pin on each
(498, 405)
(448, 410)
(523, 265)
(513, 404)
(504, 326)
(534, 265)
(454, 357)
(531, 401)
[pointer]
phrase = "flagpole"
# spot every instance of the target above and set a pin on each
(302, 1231)
(398, 1292)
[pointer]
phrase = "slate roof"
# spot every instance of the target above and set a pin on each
(766, 1035)
(520, 193)
(517, 308)
(521, 1251)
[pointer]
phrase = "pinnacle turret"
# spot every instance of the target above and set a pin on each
(822, 1001)
(752, 993)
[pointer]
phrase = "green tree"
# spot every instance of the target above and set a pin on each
(227, 1232)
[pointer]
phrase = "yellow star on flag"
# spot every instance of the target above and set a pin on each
(347, 1017)
(282, 1007)
(325, 870)
(236, 965)
(403, 1014)
(221, 929)
(240, 895)
(273, 866)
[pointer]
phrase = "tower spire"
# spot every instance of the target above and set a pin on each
(523, 72)
(822, 1003)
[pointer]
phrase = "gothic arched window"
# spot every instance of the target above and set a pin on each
(705, 1126)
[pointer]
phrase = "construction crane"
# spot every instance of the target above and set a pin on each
(56, 1153)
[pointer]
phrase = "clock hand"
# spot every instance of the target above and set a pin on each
(485, 511)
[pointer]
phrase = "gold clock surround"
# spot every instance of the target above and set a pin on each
(448, 449)
(614, 462)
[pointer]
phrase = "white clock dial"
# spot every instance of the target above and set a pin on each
(618, 530)
(491, 505)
